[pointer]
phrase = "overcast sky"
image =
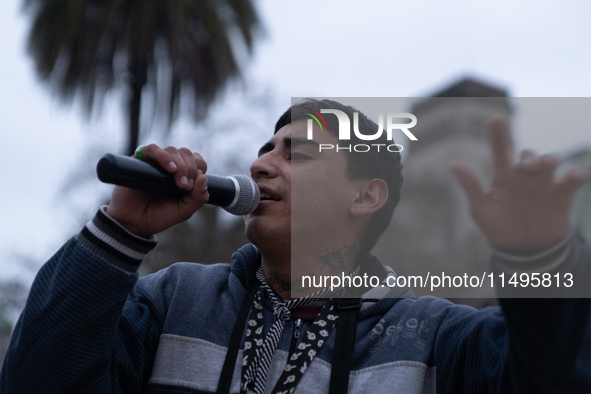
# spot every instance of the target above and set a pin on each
(325, 48)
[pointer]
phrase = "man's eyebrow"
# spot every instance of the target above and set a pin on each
(268, 147)
(295, 142)
(289, 142)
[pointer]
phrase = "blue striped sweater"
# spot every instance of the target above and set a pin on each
(90, 326)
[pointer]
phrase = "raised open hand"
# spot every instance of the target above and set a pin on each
(525, 210)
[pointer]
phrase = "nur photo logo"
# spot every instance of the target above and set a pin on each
(345, 129)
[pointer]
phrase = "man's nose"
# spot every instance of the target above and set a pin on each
(264, 166)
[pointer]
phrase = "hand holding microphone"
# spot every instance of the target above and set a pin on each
(168, 188)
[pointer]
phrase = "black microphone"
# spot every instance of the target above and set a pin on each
(237, 194)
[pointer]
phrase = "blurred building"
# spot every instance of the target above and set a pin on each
(432, 229)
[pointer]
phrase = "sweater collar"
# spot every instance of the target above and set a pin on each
(247, 260)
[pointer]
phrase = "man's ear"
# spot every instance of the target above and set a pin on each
(373, 195)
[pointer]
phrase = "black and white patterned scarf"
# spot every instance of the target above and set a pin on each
(258, 351)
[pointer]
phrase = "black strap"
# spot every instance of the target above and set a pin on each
(344, 343)
(234, 345)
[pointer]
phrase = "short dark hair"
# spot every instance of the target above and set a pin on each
(384, 165)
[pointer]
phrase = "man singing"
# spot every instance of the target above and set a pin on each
(90, 326)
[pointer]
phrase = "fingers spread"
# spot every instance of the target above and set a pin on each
(528, 163)
(527, 154)
(469, 182)
(548, 164)
(542, 167)
(500, 142)
(573, 180)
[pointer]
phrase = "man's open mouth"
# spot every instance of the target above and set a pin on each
(267, 196)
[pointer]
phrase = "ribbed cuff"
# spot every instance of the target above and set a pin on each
(106, 238)
(546, 261)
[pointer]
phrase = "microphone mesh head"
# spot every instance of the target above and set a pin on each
(249, 196)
